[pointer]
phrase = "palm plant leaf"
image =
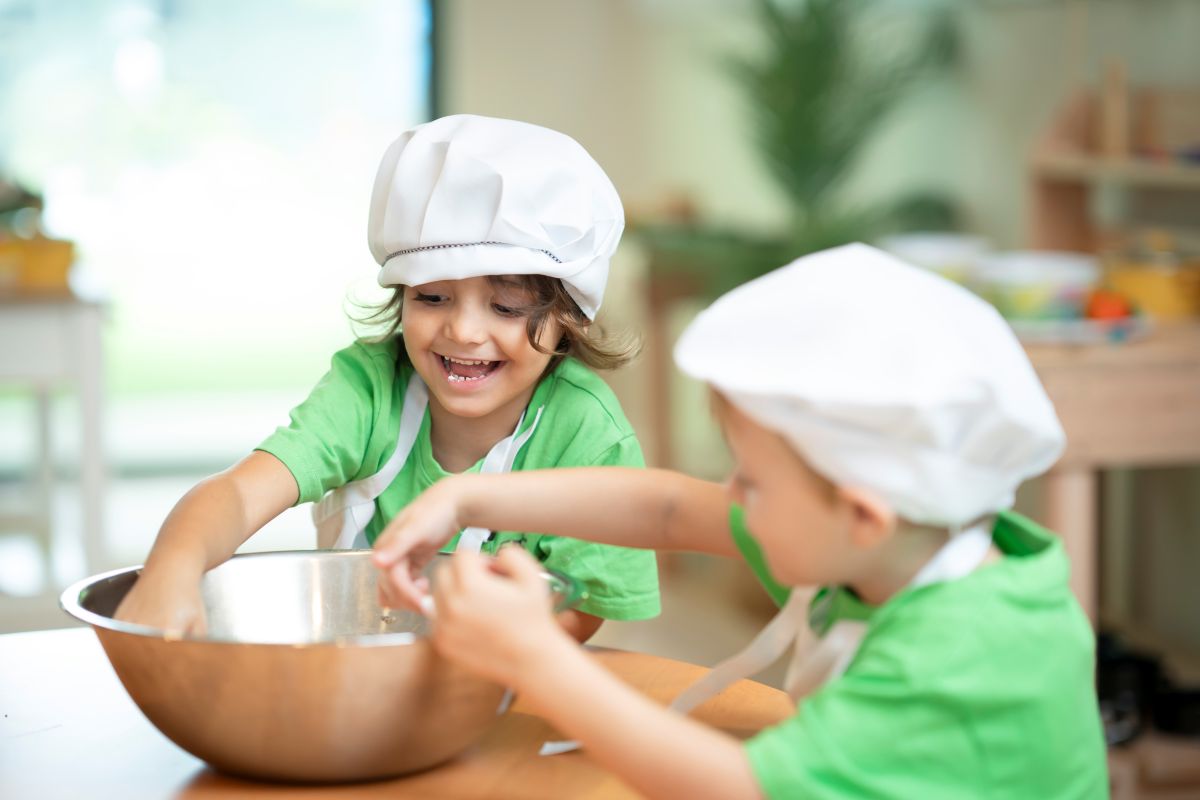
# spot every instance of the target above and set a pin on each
(815, 98)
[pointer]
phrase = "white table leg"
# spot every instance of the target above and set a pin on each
(43, 478)
(92, 460)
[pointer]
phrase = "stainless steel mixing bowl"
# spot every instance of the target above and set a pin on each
(302, 676)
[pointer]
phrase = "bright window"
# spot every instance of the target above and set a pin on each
(213, 163)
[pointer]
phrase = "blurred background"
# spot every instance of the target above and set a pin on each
(183, 198)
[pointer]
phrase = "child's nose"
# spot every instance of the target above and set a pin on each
(466, 325)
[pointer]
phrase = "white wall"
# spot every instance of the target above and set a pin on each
(635, 81)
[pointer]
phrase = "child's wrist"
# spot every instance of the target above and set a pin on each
(464, 497)
(540, 668)
(173, 565)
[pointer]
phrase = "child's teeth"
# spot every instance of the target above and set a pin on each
(447, 361)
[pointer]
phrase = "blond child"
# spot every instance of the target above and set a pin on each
(497, 237)
(880, 419)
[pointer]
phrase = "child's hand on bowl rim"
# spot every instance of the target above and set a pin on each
(410, 541)
(165, 601)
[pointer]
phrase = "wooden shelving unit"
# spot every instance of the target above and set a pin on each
(1099, 141)
(1084, 168)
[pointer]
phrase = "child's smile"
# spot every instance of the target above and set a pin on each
(469, 370)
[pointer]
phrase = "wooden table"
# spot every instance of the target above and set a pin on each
(1135, 404)
(69, 730)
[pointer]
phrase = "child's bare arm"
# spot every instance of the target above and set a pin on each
(579, 625)
(658, 752)
(492, 618)
(653, 509)
(204, 529)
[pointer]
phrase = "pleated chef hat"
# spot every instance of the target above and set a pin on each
(464, 196)
(882, 376)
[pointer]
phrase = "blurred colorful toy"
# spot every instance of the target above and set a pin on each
(1037, 285)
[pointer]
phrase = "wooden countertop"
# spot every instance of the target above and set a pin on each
(69, 730)
(1129, 404)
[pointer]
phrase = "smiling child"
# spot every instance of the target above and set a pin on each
(497, 237)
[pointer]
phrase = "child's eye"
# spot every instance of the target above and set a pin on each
(506, 311)
(430, 299)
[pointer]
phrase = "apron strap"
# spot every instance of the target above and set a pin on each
(499, 459)
(343, 514)
(813, 665)
(770, 643)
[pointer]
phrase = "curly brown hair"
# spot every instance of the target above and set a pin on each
(548, 301)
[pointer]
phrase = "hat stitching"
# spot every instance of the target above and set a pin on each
(410, 250)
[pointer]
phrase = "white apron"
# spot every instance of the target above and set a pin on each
(342, 514)
(812, 666)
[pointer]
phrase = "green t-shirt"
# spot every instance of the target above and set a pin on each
(347, 428)
(979, 687)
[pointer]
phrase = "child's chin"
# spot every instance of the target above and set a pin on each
(469, 408)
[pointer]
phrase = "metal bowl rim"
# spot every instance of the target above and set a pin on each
(68, 601)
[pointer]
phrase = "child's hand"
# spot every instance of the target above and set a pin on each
(411, 540)
(161, 601)
(494, 615)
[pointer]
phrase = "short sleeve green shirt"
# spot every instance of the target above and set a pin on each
(980, 687)
(347, 429)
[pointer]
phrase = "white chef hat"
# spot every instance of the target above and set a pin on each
(882, 376)
(464, 196)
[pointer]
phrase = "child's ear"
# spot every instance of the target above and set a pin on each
(872, 520)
